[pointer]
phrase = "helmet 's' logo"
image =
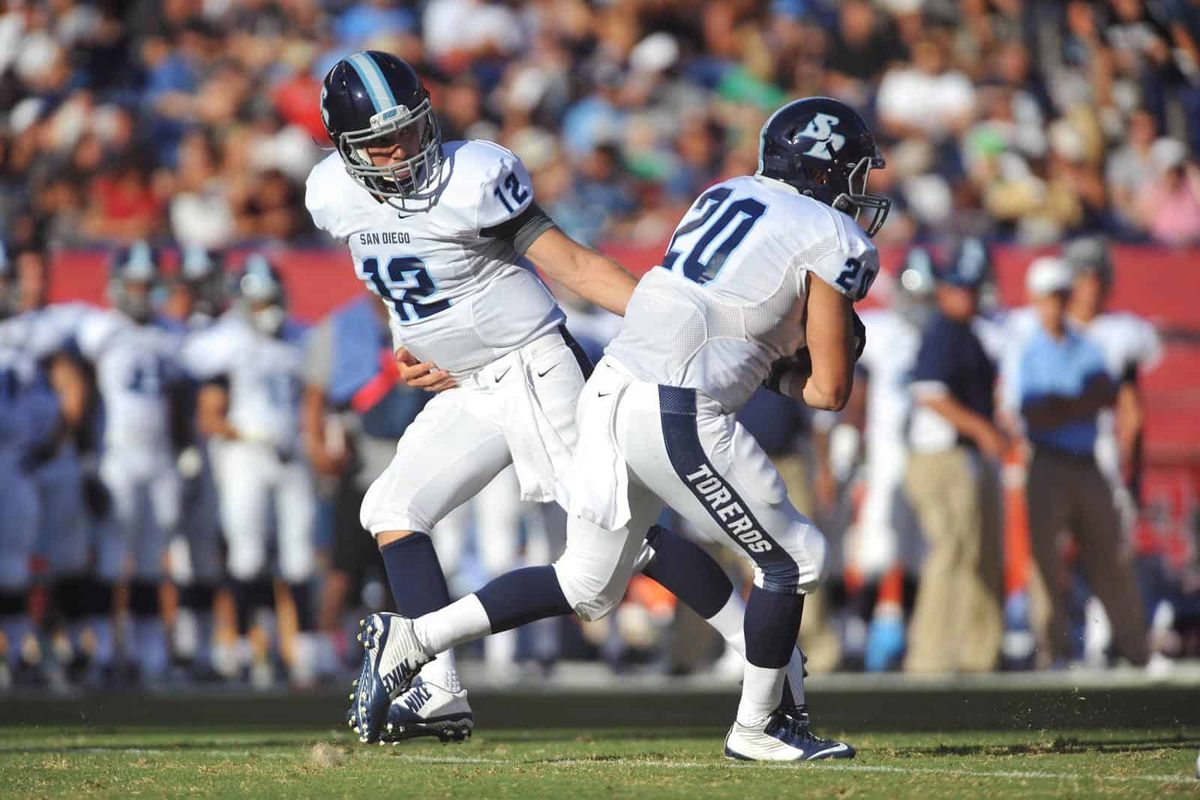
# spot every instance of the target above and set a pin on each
(827, 143)
(324, 108)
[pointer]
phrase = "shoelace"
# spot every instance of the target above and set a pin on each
(796, 724)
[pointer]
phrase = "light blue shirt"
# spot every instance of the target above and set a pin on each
(1063, 367)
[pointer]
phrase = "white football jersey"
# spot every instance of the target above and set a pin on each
(1127, 342)
(265, 374)
(889, 356)
(18, 374)
(25, 340)
(728, 299)
(134, 364)
(456, 296)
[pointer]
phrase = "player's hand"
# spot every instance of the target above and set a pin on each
(992, 442)
(860, 334)
(422, 374)
(428, 376)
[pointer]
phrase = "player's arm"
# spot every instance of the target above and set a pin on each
(70, 387)
(1131, 413)
(70, 384)
(589, 274)
(1050, 411)
(829, 333)
(327, 457)
(212, 411)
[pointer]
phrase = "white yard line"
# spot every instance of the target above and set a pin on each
(839, 767)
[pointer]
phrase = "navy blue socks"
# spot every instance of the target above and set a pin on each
(415, 575)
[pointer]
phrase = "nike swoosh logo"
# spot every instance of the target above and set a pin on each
(603, 394)
(500, 377)
(547, 372)
(838, 748)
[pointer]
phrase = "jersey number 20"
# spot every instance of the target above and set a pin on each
(405, 284)
(721, 234)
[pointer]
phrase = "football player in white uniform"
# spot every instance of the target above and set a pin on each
(252, 361)
(18, 493)
(60, 395)
(437, 230)
(885, 521)
(198, 297)
(757, 284)
(136, 359)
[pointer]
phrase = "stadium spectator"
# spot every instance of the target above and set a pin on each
(1062, 385)
(1168, 206)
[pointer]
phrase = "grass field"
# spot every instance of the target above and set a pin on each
(150, 762)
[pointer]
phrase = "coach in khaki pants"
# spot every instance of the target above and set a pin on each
(953, 483)
(1062, 384)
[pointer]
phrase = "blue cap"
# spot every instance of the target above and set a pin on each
(969, 266)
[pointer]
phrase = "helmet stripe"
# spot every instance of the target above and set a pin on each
(372, 78)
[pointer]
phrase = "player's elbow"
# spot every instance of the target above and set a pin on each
(828, 402)
(828, 393)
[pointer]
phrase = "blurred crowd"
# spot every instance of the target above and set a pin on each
(197, 120)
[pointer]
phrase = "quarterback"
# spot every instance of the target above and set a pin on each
(437, 230)
(757, 285)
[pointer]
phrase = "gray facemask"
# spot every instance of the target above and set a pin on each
(269, 320)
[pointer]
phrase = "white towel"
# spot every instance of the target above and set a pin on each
(597, 483)
(539, 453)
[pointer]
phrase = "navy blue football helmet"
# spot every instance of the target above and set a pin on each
(203, 273)
(134, 276)
(970, 264)
(822, 148)
(261, 290)
(374, 100)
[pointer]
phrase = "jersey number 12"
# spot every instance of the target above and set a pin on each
(406, 286)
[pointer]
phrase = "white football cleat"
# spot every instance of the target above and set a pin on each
(392, 657)
(785, 737)
(427, 709)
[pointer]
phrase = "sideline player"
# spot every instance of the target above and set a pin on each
(197, 298)
(886, 528)
(18, 492)
(1131, 347)
(136, 359)
(252, 361)
(54, 460)
(437, 230)
(757, 285)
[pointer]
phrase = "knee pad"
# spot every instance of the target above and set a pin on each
(143, 598)
(800, 567)
(592, 596)
(382, 510)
